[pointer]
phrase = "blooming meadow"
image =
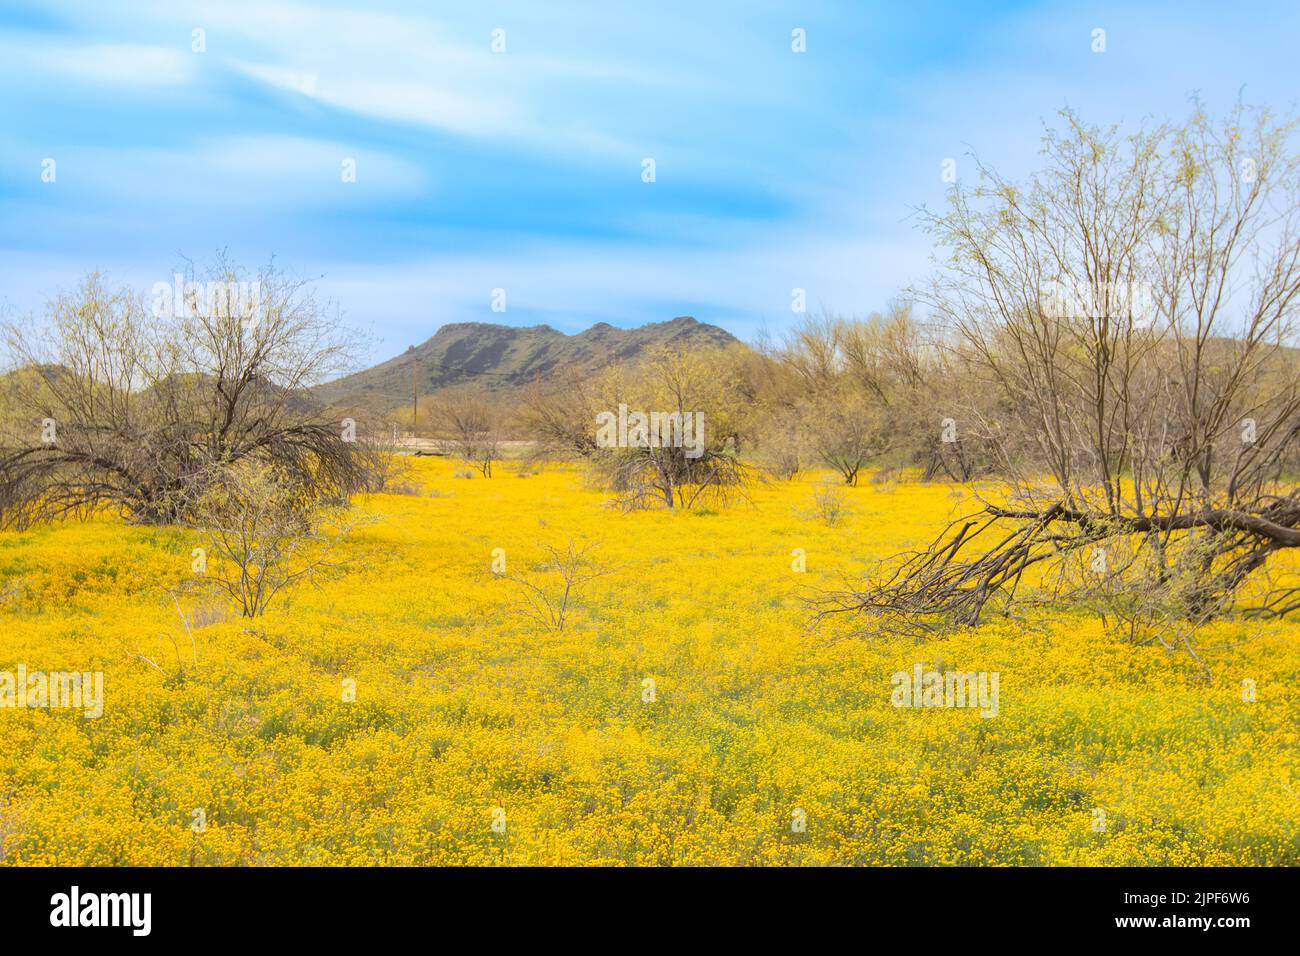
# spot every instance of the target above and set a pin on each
(408, 710)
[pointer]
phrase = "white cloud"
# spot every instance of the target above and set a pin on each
(120, 64)
(391, 99)
(264, 172)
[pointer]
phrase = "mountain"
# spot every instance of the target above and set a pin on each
(500, 357)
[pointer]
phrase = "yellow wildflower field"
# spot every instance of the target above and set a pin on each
(408, 712)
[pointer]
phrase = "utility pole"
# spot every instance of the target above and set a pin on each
(415, 395)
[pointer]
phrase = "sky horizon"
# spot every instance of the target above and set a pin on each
(504, 146)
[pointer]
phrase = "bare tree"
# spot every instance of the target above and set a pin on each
(848, 431)
(559, 416)
(265, 531)
(783, 444)
(770, 412)
(1133, 311)
(469, 421)
(692, 458)
(865, 386)
(126, 405)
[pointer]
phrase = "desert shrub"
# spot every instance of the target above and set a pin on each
(264, 531)
(830, 503)
(568, 570)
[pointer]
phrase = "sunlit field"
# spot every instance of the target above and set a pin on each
(685, 714)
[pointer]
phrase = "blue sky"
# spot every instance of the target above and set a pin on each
(522, 170)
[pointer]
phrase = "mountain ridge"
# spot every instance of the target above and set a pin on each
(502, 357)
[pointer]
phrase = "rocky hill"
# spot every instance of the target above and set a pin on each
(501, 357)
